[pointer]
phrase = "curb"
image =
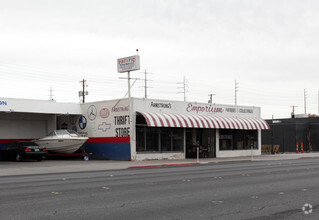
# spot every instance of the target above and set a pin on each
(163, 165)
(309, 157)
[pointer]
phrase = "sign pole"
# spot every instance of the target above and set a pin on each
(129, 84)
(128, 64)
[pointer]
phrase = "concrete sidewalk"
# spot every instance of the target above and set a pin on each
(11, 168)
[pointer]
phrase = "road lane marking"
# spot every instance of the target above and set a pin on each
(307, 208)
(150, 183)
(218, 202)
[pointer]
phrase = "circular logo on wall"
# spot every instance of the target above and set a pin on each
(104, 113)
(92, 112)
(82, 122)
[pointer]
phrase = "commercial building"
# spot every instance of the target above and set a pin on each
(285, 133)
(27, 119)
(140, 129)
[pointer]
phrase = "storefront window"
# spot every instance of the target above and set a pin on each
(140, 138)
(152, 139)
(237, 139)
(225, 139)
(166, 139)
(178, 139)
(159, 139)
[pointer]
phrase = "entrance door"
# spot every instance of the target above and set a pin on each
(208, 143)
(204, 139)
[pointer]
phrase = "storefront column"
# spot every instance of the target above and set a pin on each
(217, 143)
(258, 151)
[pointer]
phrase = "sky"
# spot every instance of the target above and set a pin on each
(269, 47)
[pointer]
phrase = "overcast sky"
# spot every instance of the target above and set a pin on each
(270, 47)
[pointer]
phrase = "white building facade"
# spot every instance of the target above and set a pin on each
(145, 129)
(140, 129)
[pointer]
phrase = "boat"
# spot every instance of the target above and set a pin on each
(62, 141)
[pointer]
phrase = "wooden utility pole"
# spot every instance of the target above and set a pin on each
(83, 92)
(210, 98)
(293, 110)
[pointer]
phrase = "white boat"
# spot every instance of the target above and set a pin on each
(62, 141)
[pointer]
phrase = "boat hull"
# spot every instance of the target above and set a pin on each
(62, 146)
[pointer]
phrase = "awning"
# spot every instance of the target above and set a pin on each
(203, 121)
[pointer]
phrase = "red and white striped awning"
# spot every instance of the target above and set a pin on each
(203, 121)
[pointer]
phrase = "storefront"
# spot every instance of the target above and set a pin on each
(140, 129)
(174, 130)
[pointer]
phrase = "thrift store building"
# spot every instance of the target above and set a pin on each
(141, 129)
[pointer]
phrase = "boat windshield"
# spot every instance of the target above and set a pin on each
(52, 134)
(64, 132)
(73, 133)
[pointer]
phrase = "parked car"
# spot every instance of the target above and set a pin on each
(23, 150)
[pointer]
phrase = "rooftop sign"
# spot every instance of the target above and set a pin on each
(127, 64)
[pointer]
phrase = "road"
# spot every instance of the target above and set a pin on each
(239, 190)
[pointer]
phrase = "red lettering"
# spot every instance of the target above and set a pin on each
(189, 107)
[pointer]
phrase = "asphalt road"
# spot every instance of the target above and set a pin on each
(240, 190)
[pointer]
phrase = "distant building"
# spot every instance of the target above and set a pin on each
(287, 132)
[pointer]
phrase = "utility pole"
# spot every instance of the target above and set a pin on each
(293, 110)
(318, 103)
(184, 87)
(210, 98)
(236, 91)
(145, 82)
(83, 92)
(305, 100)
(51, 93)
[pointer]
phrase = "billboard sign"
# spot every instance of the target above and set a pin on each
(127, 64)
